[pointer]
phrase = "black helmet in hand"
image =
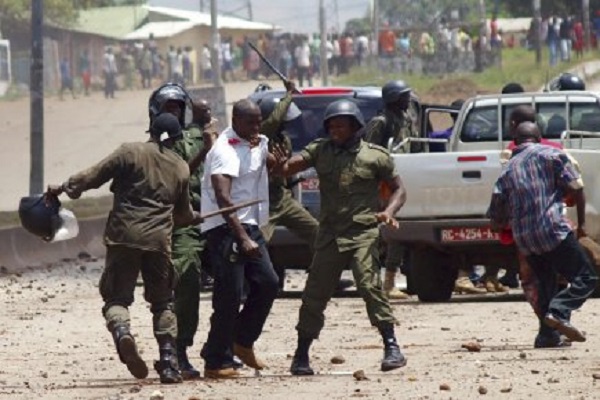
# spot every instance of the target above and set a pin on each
(170, 91)
(567, 81)
(343, 108)
(39, 215)
(391, 91)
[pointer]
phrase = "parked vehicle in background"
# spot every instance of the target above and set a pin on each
(443, 222)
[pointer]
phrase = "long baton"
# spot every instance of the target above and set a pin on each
(235, 207)
(269, 64)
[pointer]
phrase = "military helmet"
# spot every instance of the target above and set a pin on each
(567, 81)
(343, 108)
(268, 104)
(39, 215)
(392, 91)
(170, 91)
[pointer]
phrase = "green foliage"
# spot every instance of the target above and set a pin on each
(520, 8)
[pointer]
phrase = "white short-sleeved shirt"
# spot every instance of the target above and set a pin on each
(233, 156)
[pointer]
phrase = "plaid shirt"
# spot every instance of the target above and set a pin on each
(528, 196)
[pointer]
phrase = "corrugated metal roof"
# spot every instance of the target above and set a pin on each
(112, 22)
(160, 29)
(200, 18)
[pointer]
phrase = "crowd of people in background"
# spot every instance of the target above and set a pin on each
(446, 47)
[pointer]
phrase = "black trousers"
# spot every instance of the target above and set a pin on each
(229, 324)
(569, 260)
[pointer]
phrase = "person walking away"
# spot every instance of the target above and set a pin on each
(66, 80)
(350, 172)
(150, 186)
(109, 67)
(236, 170)
(528, 198)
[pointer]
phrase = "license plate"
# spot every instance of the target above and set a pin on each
(464, 234)
(311, 184)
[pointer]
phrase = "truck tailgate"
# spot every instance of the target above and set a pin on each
(447, 184)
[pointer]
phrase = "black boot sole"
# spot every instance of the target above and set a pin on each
(190, 375)
(132, 359)
(302, 372)
(388, 366)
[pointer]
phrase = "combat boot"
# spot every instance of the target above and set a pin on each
(128, 353)
(389, 286)
(300, 363)
(166, 366)
(392, 358)
(188, 372)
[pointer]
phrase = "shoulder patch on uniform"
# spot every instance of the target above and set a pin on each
(378, 147)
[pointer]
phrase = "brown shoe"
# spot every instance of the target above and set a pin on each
(223, 373)
(397, 294)
(564, 327)
(248, 357)
(464, 285)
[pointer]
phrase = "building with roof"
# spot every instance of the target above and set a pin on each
(128, 27)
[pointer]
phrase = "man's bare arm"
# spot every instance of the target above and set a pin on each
(222, 188)
(397, 200)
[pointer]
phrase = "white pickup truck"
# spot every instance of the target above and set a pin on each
(443, 222)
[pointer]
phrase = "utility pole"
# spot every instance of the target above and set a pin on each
(537, 30)
(250, 17)
(337, 16)
(215, 45)
(201, 5)
(585, 7)
(375, 23)
(36, 98)
(323, 49)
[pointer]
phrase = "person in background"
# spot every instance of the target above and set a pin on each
(66, 79)
(85, 72)
(109, 68)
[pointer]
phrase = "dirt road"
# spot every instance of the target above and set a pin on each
(55, 346)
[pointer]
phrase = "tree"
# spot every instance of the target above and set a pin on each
(15, 15)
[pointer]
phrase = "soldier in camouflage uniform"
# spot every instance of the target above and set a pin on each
(284, 210)
(350, 171)
(151, 195)
(189, 245)
(396, 123)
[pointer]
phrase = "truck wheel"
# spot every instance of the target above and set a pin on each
(432, 276)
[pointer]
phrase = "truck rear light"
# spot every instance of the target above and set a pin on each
(471, 158)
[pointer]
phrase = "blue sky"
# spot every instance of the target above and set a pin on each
(294, 16)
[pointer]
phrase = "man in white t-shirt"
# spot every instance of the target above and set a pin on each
(235, 170)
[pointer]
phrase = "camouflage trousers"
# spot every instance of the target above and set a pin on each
(189, 255)
(290, 213)
(324, 275)
(117, 285)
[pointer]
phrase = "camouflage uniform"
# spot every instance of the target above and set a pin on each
(138, 230)
(348, 229)
(188, 248)
(284, 210)
(379, 130)
(388, 125)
